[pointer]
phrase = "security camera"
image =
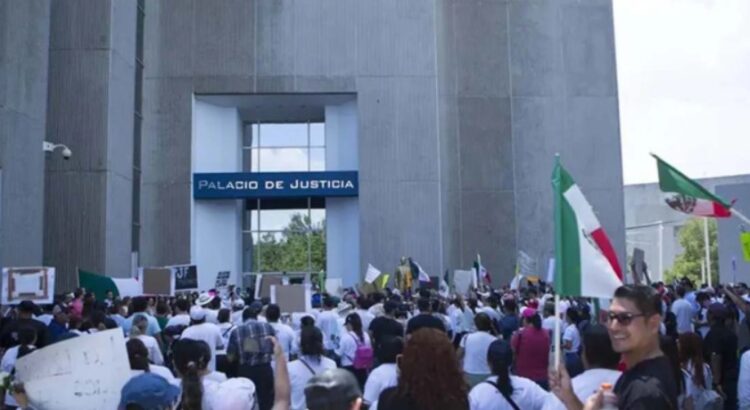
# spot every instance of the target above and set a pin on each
(51, 147)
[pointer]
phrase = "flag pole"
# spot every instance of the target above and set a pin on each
(707, 245)
(740, 216)
(556, 335)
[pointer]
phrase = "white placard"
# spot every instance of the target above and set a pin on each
(372, 274)
(86, 372)
(551, 271)
(36, 284)
(462, 280)
(29, 284)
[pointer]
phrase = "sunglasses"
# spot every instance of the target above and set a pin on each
(623, 318)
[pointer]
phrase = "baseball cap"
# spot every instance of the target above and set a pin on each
(331, 388)
(149, 391)
(528, 313)
(197, 313)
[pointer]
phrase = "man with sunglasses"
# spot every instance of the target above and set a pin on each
(633, 323)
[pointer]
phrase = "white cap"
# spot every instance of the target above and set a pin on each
(204, 299)
(197, 313)
(238, 304)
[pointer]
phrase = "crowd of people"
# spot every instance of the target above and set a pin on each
(653, 347)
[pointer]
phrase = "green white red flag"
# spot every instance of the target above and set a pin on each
(685, 195)
(585, 260)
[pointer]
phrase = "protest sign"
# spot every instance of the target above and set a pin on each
(462, 280)
(36, 284)
(264, 290)
(222, 279)
(157, 281)
(745, 241)
(551, 271)
(185, 277)
(372, 274)
(291, 298)
(82, 373)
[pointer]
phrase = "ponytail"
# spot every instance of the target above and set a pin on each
(192, 388)
(503, 381)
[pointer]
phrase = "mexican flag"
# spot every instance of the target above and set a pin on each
(685, 195)
(99, 285)
(585, 260)
(481, 271)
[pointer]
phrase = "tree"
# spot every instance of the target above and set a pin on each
(289, 252)
(688, 263)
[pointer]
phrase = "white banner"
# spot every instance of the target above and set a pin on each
(86, 372)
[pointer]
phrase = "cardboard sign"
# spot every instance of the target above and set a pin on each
(745, 241)
(157, 281)
(222, 279)
(462, 280)
(185, 277)
(291, 298)
(638, 265)
(85, 372)
(265, 284)
(36, 284)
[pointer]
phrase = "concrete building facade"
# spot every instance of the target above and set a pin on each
(450, 111)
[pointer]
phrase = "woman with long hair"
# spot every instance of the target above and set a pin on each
(531, 347)
(668, 346)
(503, 391)
(430, 377)
(310, 362)
(355, 349)
(138, 358)
(472, 351)
(138, 331)
(697, 374)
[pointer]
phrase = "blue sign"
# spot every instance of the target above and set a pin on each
(254, 185)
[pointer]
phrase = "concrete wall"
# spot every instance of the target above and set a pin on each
(460, 106)
(216, 238)
(24, 55)
(733, 268)
(88, 199)
(644, 205)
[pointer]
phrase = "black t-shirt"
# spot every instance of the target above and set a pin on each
(650, 384)
(9, 336)
(722, 341)
(424, 320)
(382, 327)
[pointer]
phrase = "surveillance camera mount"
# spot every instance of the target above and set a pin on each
(51, 147)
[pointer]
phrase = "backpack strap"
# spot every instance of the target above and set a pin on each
(506, 396)
(308, 367)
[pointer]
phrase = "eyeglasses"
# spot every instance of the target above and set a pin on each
(624, 318)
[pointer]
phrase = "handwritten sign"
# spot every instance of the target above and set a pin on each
(185, 277)
(36, 284)
(86, 372)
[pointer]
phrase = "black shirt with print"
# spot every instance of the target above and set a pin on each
(649, 384)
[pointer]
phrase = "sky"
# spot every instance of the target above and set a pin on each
(683, 70)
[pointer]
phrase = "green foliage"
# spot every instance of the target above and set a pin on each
(688, 264)
(289, 251)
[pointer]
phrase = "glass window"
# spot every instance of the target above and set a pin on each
(282, 159)
(317, 159)
(317, 134)
(283, 135)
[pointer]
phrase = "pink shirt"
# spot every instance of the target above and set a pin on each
(531, 347)
(77, 307)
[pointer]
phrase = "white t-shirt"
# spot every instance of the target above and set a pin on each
(209, 333)
(299, 374)
(45, 318)
(526, 394)
(212, 316)
(683, 310)
(234, 394)
(381, 378)
(183, 319)
(7, 365)
(154, 352)
(328, 323)
(691, 389)
(366, 318)
(236, 318)
(285, 336)
(743, 386)
(584, 385)
(348, 347)
(572, 335)
(492, 313)
(226, 330)
(475, 347)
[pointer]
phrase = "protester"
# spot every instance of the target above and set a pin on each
(9, 334)
(502, 390)
(59, 324)
(209, 333)
(700, 321)
(149, 391)
(138, 356)
(697, 375)
(424, 319)
(683, 312)
(600, 362)
(250, 353)
(355, 350)
(138, 331)
(385, 326)
(531, 346)
(140, 307)
(510, 321)
(328, 323)
(225, 328)
(472, 350)
(743, 385)
(311, 362)
(76, 306)
(668, 346)
(181, 315)
(333, 389)
(429, 377)
(26, 344)
(284, 333)
(363, 306)
(720, 351)
(117, 313)
(386, 374)
(648, 383)
(162, 314)
(47, 315)
(571, 343)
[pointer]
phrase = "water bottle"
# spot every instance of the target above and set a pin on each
(610, 399)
